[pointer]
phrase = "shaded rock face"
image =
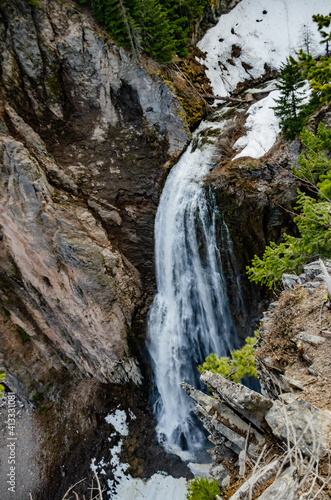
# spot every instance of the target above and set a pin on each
(255, 199)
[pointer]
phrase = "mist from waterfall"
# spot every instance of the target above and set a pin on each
(190, 315)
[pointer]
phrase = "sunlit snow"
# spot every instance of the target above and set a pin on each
(118, 421)
(262, 31)
(158, 487)
(262, 128)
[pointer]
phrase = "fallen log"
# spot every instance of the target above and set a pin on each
(223, 98)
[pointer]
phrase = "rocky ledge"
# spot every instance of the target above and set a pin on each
(257, 440)
(277, 444)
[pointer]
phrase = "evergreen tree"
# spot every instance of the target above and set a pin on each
(109, 14)
(318, 73)
(289, 104)
(242, 362)
(201, 488)
(324, 22)
(313, 161)
(156, 32)
(158, 27)
(193, 9)
(177, 15)
(116, 18)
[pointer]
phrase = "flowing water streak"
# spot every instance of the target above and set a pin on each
(190, 316)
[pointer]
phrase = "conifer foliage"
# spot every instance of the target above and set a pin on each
(201, 488)
(290, 109)
(318, 71)
(159, 28)
(313, 215)
(289, 104)
(324, 22)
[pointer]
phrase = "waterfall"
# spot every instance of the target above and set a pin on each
(190, 316)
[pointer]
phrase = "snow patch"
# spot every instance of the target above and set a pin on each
(256, 32)
(262, 126)
(158, 487)
(118, 421)
(124, 487)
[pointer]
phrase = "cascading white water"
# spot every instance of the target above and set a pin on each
(190, 316)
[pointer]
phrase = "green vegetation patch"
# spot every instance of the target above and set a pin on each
(24, 335)
(158, 28)
(242, 362)
(313, 215)
(202, 489)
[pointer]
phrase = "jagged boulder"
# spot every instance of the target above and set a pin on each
(250, 404)
(303, 424)
(241, 420)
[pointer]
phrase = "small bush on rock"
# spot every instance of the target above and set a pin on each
(202, 489)
(242, 362)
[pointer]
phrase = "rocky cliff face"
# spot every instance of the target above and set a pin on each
(108, 123)
(67, 291)
(85, 131)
